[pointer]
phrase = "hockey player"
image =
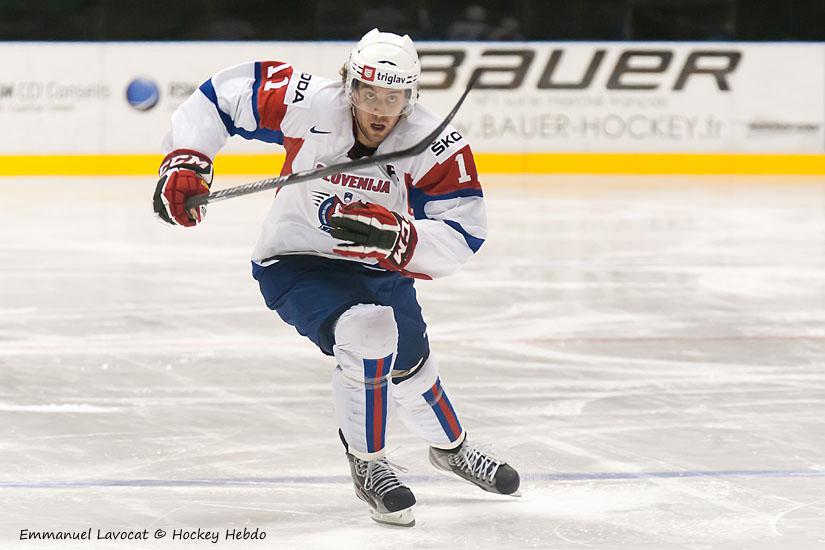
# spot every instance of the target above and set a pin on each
(337, 257)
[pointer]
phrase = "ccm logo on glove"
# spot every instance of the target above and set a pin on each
(183, 173)
(372, 231)
(182, 158)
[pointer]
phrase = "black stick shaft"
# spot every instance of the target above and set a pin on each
(317, 173)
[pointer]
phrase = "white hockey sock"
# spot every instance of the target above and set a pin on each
(423, 406)
(366, 338)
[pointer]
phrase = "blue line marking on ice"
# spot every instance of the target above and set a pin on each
(322, 480)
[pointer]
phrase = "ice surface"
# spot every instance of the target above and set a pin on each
(648, 352)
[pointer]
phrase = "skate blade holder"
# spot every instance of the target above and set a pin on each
(402, 518)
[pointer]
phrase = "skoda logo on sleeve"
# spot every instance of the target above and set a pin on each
(142, 94)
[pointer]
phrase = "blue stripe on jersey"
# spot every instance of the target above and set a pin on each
(268, 136)
(419, 198)
(473, 242)
(255, 86)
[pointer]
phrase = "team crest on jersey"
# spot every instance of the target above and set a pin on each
(327, 205)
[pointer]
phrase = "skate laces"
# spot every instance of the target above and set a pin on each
(476, 463)
(379, 475)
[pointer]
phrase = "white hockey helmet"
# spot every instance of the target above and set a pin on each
(384, 60)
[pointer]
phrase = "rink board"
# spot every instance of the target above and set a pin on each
(487, 163)
(541, 107)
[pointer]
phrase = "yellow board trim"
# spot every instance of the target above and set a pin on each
(490, 163)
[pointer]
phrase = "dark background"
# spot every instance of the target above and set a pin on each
(424, 19)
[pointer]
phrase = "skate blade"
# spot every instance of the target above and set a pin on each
(403, 518)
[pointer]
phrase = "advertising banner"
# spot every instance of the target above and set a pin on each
(718, 98)
(639, 98)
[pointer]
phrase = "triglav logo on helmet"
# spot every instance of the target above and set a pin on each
(391, 79)
(368, 73)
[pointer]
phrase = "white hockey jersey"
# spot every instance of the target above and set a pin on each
(311, 117)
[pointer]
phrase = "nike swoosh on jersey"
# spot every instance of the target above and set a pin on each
(314, 130)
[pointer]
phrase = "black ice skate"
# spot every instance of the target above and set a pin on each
(376, 484)
(477, 467)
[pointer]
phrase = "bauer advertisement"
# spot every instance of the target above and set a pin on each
(106, 99)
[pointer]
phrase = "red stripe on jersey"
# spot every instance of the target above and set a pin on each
(408, 181)
(292, 146)
(414, 275)
(457, 173)
(274, 80)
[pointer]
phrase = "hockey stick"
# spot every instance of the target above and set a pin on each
(296, 177)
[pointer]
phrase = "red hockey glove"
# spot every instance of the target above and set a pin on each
(374, 232)
(183, 173)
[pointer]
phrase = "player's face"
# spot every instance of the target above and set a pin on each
(377, 111)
